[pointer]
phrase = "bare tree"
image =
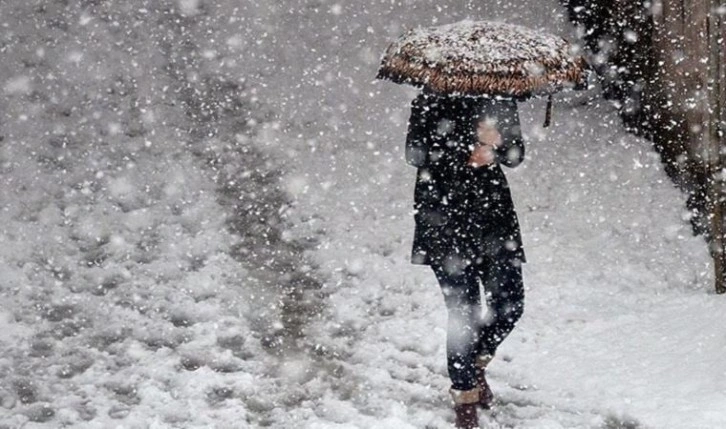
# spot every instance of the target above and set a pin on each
(662, 61)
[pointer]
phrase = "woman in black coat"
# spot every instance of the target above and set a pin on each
(467, 229)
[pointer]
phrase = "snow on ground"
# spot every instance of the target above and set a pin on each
(140, 245)
(133, 293)
(619, 326)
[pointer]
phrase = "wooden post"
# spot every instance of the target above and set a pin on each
(715, 141)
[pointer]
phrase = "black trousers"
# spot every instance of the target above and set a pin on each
(471, 331)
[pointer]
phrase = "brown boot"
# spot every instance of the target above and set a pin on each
(485, 393)
(465, 403)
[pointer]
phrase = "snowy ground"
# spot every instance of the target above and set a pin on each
(127, 298)
(620, 328)
(619, 324)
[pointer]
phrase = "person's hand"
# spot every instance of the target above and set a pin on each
(481, 155)
(488, 135)
(489, 139)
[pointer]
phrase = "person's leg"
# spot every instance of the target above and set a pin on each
(504, 287)
(461, 294)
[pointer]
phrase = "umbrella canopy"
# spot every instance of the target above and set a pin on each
(478, 57)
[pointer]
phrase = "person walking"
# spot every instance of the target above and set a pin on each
(466, 229)
(463, 127)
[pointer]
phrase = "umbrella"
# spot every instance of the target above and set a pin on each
(484, 58)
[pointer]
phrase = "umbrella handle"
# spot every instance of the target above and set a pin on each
(548, 113)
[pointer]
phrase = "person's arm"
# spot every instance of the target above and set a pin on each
(420, 133)
(511, 151)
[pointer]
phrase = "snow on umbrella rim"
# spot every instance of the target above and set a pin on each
(478, 57)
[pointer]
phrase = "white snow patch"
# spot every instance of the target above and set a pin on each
(18, 85)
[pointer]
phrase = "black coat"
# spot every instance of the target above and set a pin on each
(462, 213)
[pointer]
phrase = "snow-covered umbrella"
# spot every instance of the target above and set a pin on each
(484, 58)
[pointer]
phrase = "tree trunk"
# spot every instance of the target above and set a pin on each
(716, 90)
(663, 60)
